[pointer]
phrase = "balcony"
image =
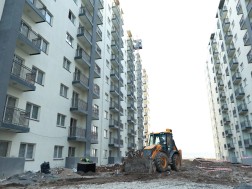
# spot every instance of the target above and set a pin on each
(240, 144)
(116, 21)
(217, 64)
(79, 107)
(225, 24)
(116, 9)
(131, 95)
(236, 78)
(98, 34)
(85, 37)
(86, 18)
(99, 18)
(218, 74)
(242, 109)
(114, 142)
(222, 95)
(22, 77)
(239, 93)
(97, 52)
(114, 124)
(228, 133)
(77, 134)
(228, 37)
(15, 120)
(97, 71)
(114, 90)
(121, 96)
(131, 146)
(28, 41)
(96, 91)
(114, 107)
(80, 81)
(224, 108)
(230, 146)
(95, 114)
(248, 143)
(220, 84)
(115, 33)
(249, 56)
(233, 64)
(239, 8)
(223, 12)
(246, 125)
(115, 46)
(237, 128)
(115, 60)
(114, 160)
(131, 106)
(100, 4)
(231, 50)
(131, 119)
(94, 138)
(242, 23)
(226, 120)
(246, 40)
(114, 75)
(32, 10)
(249, 7)
(82, 58)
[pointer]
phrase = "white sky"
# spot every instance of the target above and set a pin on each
(175, 36)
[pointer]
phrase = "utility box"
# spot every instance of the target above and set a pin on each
(86, 167)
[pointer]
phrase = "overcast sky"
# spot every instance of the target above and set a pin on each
(175, 36)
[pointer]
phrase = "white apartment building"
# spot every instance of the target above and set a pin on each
(229, 81)
(64, 84)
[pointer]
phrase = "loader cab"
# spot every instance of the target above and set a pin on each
(163, 138)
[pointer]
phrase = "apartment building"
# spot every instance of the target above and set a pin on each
(229, 81)
(146, 108)
(64, 83)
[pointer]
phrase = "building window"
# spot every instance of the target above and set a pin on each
(109, 20)
(106, 97)
(66, 64)
(63, 90)
(61, 120)
(108, 48)
(48, 17)
(95, 129)
(69, 39)
(105, 114)
(71, 151)
(4, 148)
(239, 51)
(235, 37)
(233, 24)
(94, 152)
(71, 16)
(26, 151)
(44, 45)
(108, 34)
(105, 153)
(57, 154)
(105, 133)
(33, 111)
(241, 66)
(39, 75)
(107, 64)
(107, 79)
(248, 99)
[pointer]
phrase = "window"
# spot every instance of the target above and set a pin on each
(61, 120)
(107, 64)
(26, 151)
(106, 97)
(248, 99)
(105, 114)
(4, 147)
(71, 16)
(48, 17)
(107, 79)
(105, 153)
(39, 75)
(239, 51)
(63, 90)
(45, 12)
(95, 129)
(43, 45)
(57, 154)
(233, 24)
(33, 111)
(71, 151)
(105, 133)
(69, 39)
(108, 20)
(94, 152)
(241, 66)
(235, 37)
(108, 34)
(108, 48)
(66, 64)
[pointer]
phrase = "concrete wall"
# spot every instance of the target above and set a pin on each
(11, 166)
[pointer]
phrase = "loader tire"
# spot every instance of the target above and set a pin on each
(176, 162)
(161, 162)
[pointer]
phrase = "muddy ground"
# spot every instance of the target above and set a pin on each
(195, 171)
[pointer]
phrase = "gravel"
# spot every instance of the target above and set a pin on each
(157, 184)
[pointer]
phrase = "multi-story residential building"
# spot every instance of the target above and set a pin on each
(146, 106)
(229, 81)
(64, 83)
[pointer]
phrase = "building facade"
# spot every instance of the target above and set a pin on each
(64, 90)
(229, 81)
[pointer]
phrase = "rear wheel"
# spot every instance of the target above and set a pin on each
(161, 162)
(176, 162)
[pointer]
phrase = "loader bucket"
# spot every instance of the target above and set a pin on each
(138, 165)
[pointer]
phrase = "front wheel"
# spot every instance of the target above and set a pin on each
(176, 162)
(161, 162)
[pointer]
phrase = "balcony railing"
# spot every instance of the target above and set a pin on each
(242, 23)
(239, 92)
(236, 78)
(239, 8)
(114, 105)
(83, 32)
(246, 40)
(99, 34)
(248, 143)
(77, 133)
(82, 57)
(249, 56)
(97, 70)
(242, 108)
(84, 11)
(35, 10)
(16, 118)
(79, 106)
(233, 63)
(114, 142)
(96, 90)
(246, 125)
(114, 124)
(81, 79)
(100, 17)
